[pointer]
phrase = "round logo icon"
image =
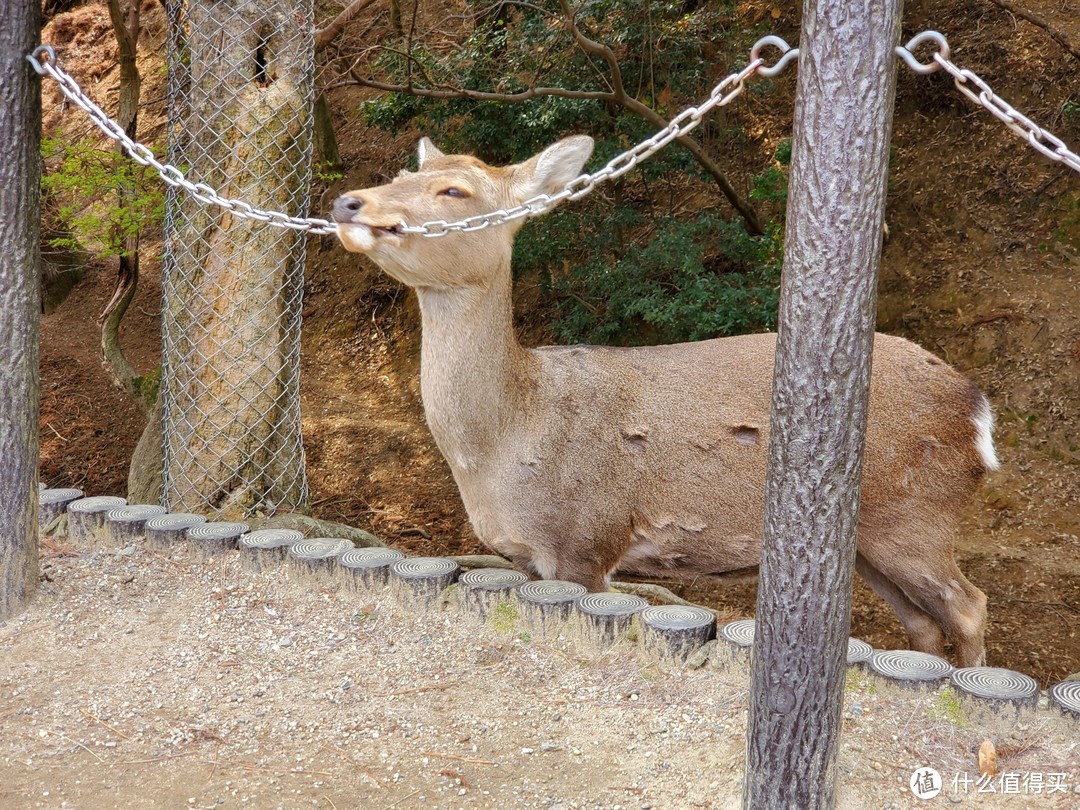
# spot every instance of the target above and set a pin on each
(925, 783)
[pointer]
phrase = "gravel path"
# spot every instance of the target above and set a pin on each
(140, 679)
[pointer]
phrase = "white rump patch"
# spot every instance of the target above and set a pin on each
(984, 435)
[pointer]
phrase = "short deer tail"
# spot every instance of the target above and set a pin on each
(983, 419)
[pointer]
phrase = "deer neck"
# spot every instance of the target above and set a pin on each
(472, 368)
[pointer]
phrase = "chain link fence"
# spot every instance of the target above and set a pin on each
(240, 95)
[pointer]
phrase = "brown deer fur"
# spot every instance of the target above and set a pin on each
(578, 461)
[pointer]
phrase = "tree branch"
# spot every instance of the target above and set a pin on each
(476, 95)
(1055, 34)
(745, 210)
(628, 102)
(617, 95)
(328, 33)
(126, 28)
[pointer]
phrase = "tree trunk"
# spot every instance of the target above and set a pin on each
(325, 138)
(144, 472)
(241, 95)
(20, 128)
(126, 28)
(843, 117)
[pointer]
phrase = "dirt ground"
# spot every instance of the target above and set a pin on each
(142, 679)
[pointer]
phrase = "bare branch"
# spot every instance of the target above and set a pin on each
(328, 33)
(476, 95)
(616, 95)
(597, 49)
(628, 102)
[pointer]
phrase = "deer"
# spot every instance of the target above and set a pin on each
(576, 462)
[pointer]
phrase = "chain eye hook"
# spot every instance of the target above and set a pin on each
(41, 56)
(787, 54)
(907, 52)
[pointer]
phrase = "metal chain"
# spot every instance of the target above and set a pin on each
(724, 93)
(1037, 138)
(44, 61)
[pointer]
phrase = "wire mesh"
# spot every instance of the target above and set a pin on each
(240, 96)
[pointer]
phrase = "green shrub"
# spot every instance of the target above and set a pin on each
(674, 281)
(84, 182)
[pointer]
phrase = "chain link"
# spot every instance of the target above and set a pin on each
(44, 61)
(724, 93)
(1037, 138)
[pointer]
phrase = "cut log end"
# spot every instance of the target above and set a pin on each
(423, 579)
(997, 689)
(54, 502)
(165, 531)
(910, 668)
(125, 525)
(545, 606)
(859, 653)
(676, 632)
(487, 594)
(313, 561)
(1066, 697)
(207, 540)
(361, 570)
(735, 642)
(265, 549)
(606, 618)
(86, 516)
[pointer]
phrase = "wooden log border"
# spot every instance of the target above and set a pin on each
(86, 516)
(165, 531)
(673, 634)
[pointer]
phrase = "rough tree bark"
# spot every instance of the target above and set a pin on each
(843, 119)
(248, 116)
(20, 128)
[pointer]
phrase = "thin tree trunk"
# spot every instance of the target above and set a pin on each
(843, 121)
(20, 127)
(126, 28)
(325, 138)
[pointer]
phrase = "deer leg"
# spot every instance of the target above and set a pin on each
(936, 586)
(924, 633)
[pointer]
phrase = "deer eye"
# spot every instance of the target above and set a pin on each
(455, 193)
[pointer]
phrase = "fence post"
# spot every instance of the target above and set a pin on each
(843, 121)
(20, 127)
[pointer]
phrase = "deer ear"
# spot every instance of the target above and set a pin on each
(552, 169)
(427, 151)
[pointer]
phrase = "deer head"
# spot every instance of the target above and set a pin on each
(448, 188)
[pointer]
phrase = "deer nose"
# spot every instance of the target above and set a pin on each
(345, 208)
